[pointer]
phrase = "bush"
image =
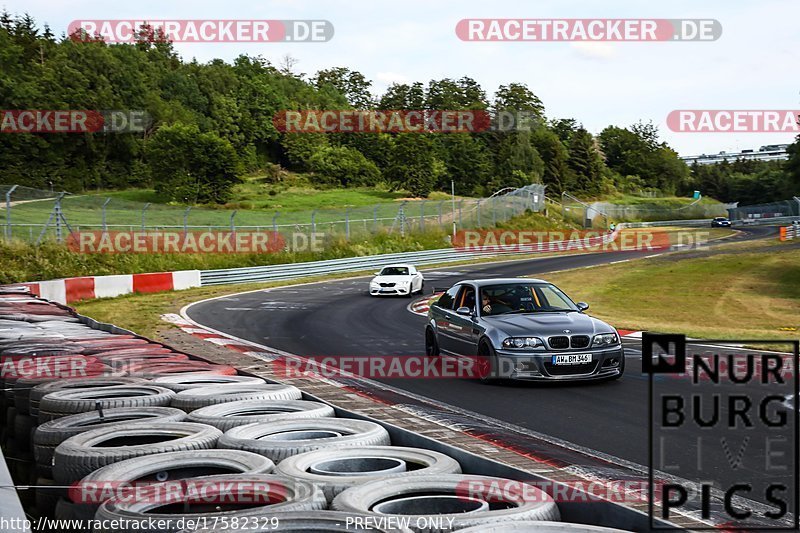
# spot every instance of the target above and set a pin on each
(344, 166)
(192, 167)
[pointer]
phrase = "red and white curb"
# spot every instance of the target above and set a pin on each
(68, 290)
(213, 337)
(420, 307)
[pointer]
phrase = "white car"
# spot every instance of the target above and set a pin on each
(396, 279)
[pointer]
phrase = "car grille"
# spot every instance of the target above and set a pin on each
(387, 284)
(569, 370)
(558, 343)
(579, 341)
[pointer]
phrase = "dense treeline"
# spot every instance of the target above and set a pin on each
(212, 123)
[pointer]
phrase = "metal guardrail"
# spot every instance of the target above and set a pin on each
(356, 264)
(330, 266)
(425, 257)
(706, 222)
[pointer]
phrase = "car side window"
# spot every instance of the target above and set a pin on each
(466, 298)
(447, 299)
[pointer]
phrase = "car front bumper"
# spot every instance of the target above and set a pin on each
(389, 291)
(606, 363)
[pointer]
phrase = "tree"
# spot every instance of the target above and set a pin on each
(792, 166)
(191, 166)
(517, 155)
(403, 96)
(413, 165)
(467, 162)
(585, 162)
(349, 83)
(637, 152)
(565, 128)
(557, 174)
(517, 97)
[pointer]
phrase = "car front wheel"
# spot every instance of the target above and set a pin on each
(486, 363)
(431, 345)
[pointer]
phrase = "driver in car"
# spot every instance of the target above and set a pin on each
(486, 304)
(493, 306)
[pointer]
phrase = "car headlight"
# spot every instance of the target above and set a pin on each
(605, 339)
(522, 342)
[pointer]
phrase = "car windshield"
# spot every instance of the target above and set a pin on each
(720, 219)
(394, 271)
(509, 298)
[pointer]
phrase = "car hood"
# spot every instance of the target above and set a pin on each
(391, 279)
(548, 324)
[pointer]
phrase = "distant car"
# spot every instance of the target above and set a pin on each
(402, 280)
(720, 222)
(521, 328)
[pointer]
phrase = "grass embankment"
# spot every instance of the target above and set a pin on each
(736, 295)
(664, 202)
(255, 201)
(20, 261)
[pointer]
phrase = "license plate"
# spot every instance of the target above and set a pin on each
(572, 359)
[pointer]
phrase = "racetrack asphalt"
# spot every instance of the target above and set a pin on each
(338, 318)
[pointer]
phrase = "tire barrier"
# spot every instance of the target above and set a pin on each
(447, 497)
(143, 415)
(281, 439)
(49, 435)
(229, 415)
(339, 469)
(84, 453)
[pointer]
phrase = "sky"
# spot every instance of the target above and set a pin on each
(753, 65)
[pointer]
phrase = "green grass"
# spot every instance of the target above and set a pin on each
(727, 296)
(664, 201)
(291, 203)
(20, 261)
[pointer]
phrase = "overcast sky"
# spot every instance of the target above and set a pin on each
(752, 66)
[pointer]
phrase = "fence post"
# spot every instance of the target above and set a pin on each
(58, 215)
(274, 224)
(185, 220)
(313, 221)
(8, 211)
(494, 210)
(233, 224)
(103, 208)
(144, 209)
(478, 214)
(347, 224)
(422, 215)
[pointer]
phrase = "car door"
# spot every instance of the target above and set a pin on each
(442, 313)
(416, 279)
(464, 329)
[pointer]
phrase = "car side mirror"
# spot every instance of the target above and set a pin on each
(377, 274)
(582, 306)
(464, 311)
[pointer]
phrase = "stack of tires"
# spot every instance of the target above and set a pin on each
(149, 439)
